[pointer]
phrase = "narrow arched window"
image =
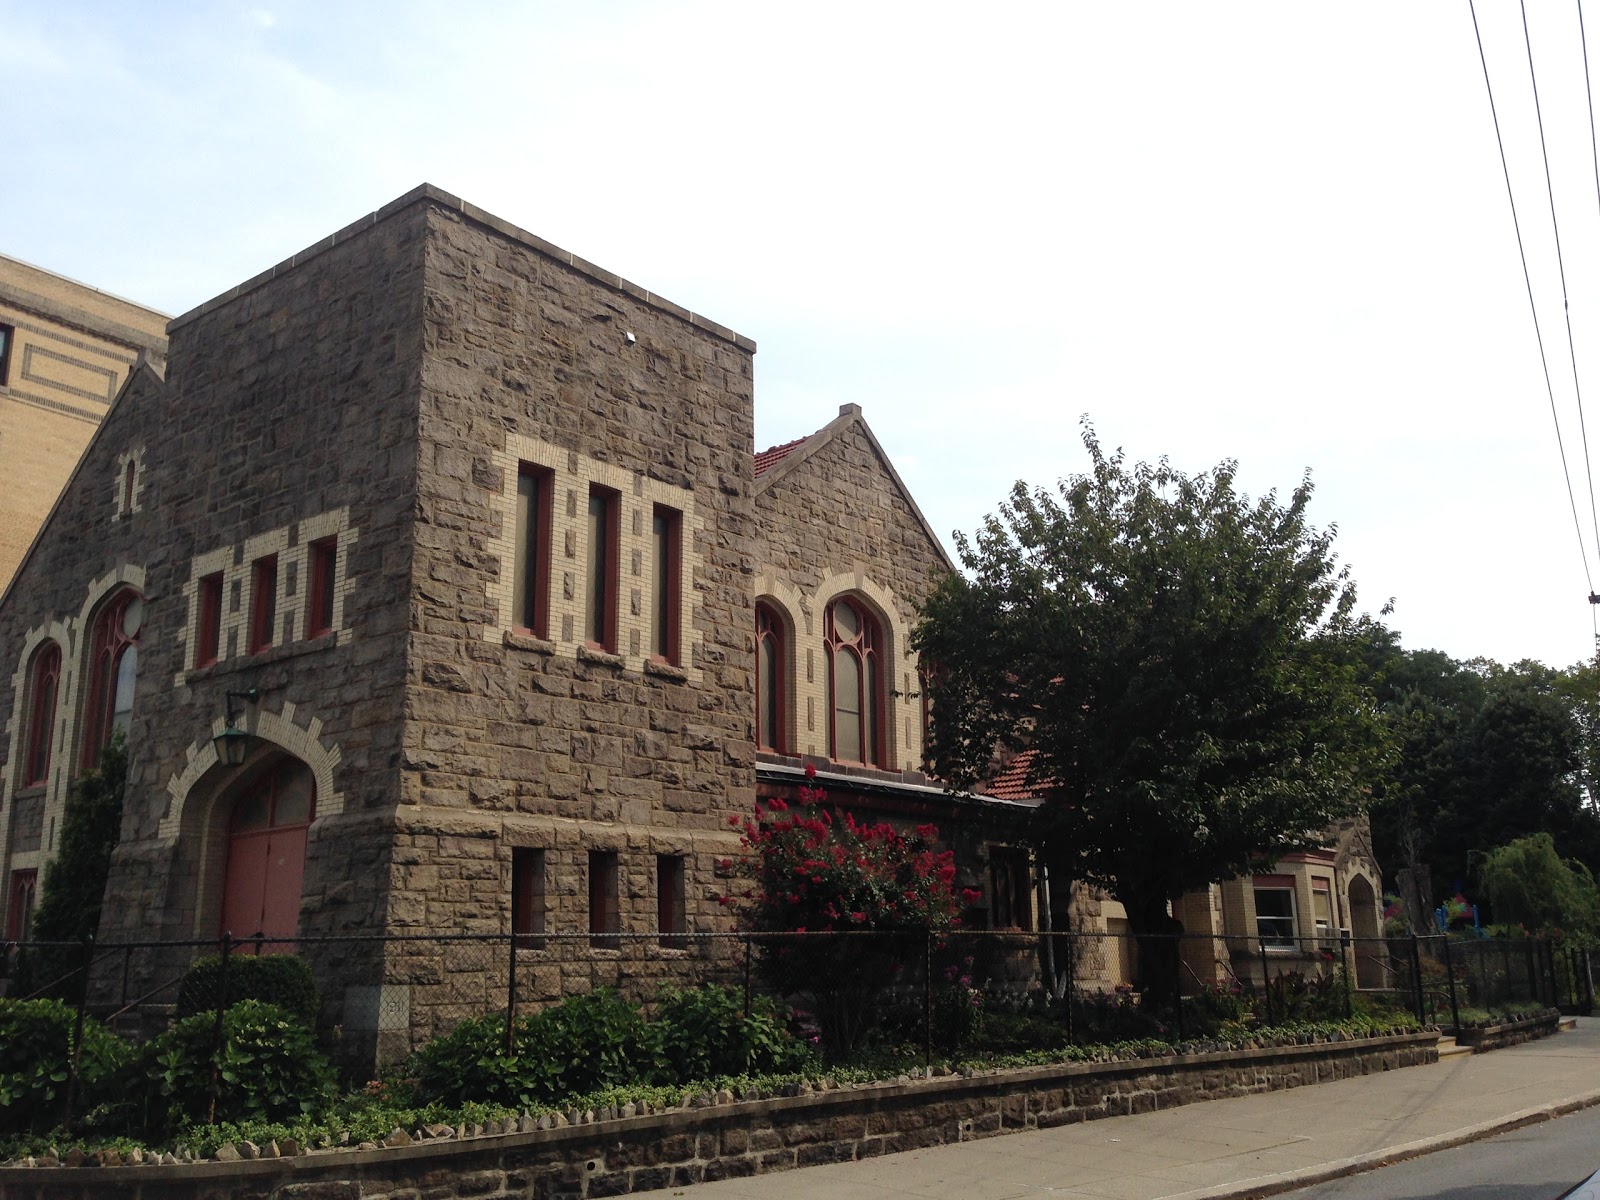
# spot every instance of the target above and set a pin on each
(771, 682)
(44, 681)
(855, 687)
(113, 671)
(128, 477)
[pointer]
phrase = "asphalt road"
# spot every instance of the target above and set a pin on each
(1539, 1162)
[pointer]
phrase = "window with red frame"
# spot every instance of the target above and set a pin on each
(19, 904)
(322, 556)
(263, 602)
(671, 917)
(113, 671)
(527, 897)
(771, 682)
(1010, 889)
(855, 687)
(600, 609)
(604, 916)
(530, 579)
(666, 530)
(43, 686)
(208, 621)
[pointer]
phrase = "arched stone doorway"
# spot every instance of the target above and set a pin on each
(266, 816)
(1370, 954)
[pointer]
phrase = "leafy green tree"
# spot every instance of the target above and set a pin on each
(75, 880)
(1528, 883)
(1184, 664)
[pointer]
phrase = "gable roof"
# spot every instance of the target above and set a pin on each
(773, 464)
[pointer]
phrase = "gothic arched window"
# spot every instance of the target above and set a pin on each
(113, 670)
(855, 684)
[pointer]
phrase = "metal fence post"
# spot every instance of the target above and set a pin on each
(511, 998)
(1532, 992)
(77, 1030)
(1450, 977)
(1347, 964)
(927, 1002)
(1416, 978)
(216, 1028)
(1072, 975)
(1266, 991)
(747, 976)
(1177, 980)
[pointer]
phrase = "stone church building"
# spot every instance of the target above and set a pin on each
(437, 589)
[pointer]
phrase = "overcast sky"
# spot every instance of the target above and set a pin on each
(1271, 232)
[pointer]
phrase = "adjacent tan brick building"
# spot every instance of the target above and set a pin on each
(65, 350)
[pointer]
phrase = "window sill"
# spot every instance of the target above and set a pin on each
(516, 639)
(31, 792)
(595, 655)
(262, 658)
(665, 670)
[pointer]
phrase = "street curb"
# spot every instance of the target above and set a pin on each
(1276, 1185)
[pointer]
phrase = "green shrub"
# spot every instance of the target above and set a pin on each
(269, 1069)
(705, 1034)
(583, 1044)
(280, 979)
(36, 1060)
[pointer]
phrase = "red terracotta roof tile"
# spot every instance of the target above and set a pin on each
(766, 459)
(1011, 781)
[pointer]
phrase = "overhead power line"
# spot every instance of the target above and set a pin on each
(1561, 264)
(1533, 308)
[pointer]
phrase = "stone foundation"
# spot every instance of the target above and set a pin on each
(695, 1145)
(1509, 1033)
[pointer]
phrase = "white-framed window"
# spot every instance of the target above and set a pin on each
(1275, 914)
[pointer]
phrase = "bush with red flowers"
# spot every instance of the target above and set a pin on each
(849, 906)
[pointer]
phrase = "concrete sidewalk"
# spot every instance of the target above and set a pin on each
(1250, 1146)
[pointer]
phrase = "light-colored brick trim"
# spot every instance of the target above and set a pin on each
(796, 615)
(571, 476)
(120, 510)
(279, 728)
(902, 724)
(235, 563)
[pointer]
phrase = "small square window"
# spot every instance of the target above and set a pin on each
(527, 898)
(323, 556)
(208, 620)
(263, 602)
(604, 916)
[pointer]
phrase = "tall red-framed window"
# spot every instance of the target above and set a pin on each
(113, 671)
(44, 684)
(19, 904)
(604, 911)
(322, 556)
(600, 607)
(771, 680)
(208, 620)
(855, 684)
(666, 542)
(263, 602)
(527, 897)
(530, 578)
(672, 919)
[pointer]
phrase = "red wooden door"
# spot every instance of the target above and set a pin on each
(267, 853)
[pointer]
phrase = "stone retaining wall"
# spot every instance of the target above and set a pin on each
(694, 1145)
(1509, 1033)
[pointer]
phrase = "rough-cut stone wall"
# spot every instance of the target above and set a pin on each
(517, 741)
(288, 399)
(696, 1145)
